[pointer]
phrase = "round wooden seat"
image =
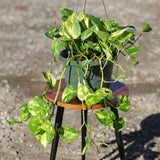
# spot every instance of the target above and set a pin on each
(117, 88)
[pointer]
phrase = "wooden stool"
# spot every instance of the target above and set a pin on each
(117, 89)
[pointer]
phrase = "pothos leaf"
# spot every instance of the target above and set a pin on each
(47, 133)
(132, 50)
(105, 117)
(38, 107)
(134, 61)
(57, 45)
(65, 11)
(119, 124)
(123, 103)
(68, 134)
(92, 99)
(73, 27)
(51, 32)
(83, 64)
(12, 120)
(35, 125)
(82, 92)
(87, 33)
(146, 27)
(68, 93)
(25, 112)
(50, 80)
(104, 93)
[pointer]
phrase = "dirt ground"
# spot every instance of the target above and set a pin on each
(25, 54)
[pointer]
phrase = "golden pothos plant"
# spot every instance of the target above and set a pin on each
(85, 39)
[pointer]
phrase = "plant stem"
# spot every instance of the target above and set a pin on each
(55, 59)
(100, 63)
(60, 81)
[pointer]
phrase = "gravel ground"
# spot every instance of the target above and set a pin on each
(25, 54)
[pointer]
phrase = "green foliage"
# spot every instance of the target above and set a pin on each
(146, 27)
(12, 120)
(68, 93)
(119, 124)
(38, 107)
(83, 64)
(72, 26)
(35, 124)
(50, 80)
(123, 103)
(85, 38)
(68, 134)
(133, 50)
(82, 92)
(47, 133)
(105, 117)
(25, 112)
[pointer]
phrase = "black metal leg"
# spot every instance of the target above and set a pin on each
(83, 130)
(119, 138)
(58, 123)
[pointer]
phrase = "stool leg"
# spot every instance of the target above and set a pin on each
(58, 123)
(83, 130)
(119, 138)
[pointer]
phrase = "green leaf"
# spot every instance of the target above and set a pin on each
(57, 45)
(24, 108)
(35, 125)
(45, 138)
(65, 11)
(113, 24)
(87, 33)
(119, 124)
(82, 92)
(104, 93)
(25, 112)
(92, 99)
(63, 31)
(117, 33)
(50, 80)
(51, 32)
(124, 36)
(68, 93)
(133, 50)
(123, 103)
(12, 120)
(146, 27)
(25, 116)
(38, 107)
(105, 117)
(134, 61)
(83, 64)
(68, 134)
(47, 133)
(117, 76)
(95, 21)
(47, 126)
(87, 146)
(94, 46)
(73, 27)
(102, 35)
(81, 16)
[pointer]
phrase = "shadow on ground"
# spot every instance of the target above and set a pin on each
(139, 143)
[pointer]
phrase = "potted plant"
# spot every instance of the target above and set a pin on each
(88, 48)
